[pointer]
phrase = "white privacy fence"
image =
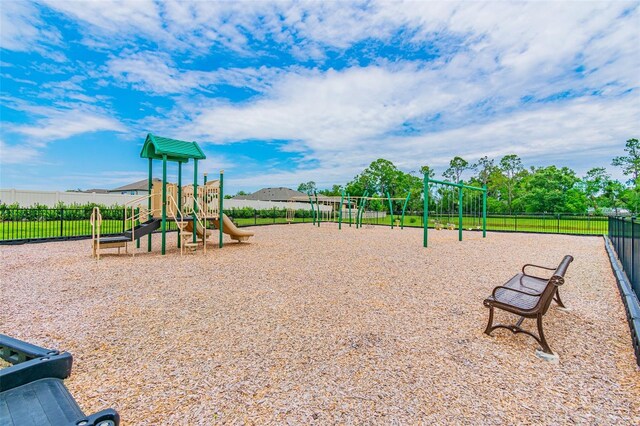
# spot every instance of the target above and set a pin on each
(265, 205)
(28, 198)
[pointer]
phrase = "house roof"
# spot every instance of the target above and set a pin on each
(96, 190)
(272, 194)
(156, 147)
(142, 185)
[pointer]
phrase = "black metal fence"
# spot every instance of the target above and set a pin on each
(548, 223)
(28, 224)
(33, 224)
(50, 223)
(624, 234)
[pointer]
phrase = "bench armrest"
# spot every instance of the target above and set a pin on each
(531, 265)
(493, 294)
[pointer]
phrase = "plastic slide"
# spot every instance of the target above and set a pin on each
(228, 228)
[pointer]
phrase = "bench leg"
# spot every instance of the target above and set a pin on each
(515, 329)
(542, 340)
(557, 299)
(489, 328)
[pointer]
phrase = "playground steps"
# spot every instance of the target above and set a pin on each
(191, 246)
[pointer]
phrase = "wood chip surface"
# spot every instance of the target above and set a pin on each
(307, 325)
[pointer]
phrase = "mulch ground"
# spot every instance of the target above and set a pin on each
(306, 325)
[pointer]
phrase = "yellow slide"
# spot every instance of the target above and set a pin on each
(227, 227)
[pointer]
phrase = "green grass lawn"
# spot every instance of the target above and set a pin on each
(578, 225)
(50, 229)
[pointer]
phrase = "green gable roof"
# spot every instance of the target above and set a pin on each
(156, 146)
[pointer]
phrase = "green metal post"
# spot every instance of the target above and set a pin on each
(460, 189)
(221, 210)
(349, 203)
(164, 203)
(205, 178)
(313, 212)
(484, 211)
(179, 197)
(390, 208)
(150, 185)
(404, 208)
(364, 206)
(340, 211)
(425, 213)
(361, 209)
(195, 199)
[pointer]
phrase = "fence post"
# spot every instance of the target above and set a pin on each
(516, 221)
(274, 215)
(62, 222)
(631, 275)
(558, 228)
(255, 216)
(624, 236)
(124, 219)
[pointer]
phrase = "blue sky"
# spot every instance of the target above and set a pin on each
(278, 93)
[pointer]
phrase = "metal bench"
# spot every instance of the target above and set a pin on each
(32, 391)
(530, 297)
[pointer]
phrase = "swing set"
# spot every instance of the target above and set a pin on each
(336, 209)
(471, 209)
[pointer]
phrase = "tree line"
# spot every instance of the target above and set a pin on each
(511, 187)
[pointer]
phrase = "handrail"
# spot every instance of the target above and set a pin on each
(179, 224)
(144, 197)
(173, 214)
(141, 212)
(204, 225)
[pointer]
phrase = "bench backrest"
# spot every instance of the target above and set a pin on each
(556, 280)
(562, 267)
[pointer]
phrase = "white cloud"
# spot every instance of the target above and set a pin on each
(58, 123)
(23, 30)
(17, 153)
(114, 17)
(344, 120)
(157, 73)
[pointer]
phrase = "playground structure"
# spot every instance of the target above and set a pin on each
(191, 207)
(338, 208)
(448, 205)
